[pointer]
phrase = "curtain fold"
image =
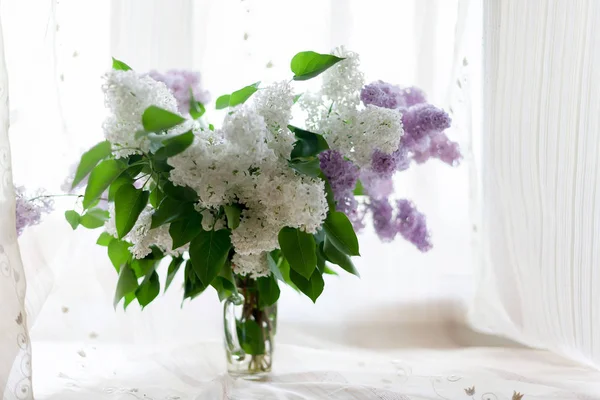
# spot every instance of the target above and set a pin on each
(15, 348)
(539, 278)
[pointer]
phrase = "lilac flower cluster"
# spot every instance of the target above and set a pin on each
(180, 82)
(423, 138)
(29, 210)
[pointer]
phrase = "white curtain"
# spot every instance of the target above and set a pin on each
(539, 272)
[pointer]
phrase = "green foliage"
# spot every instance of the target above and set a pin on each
(129, 203)
(233, 213)
(237, 97)
(192, 285)
(208, 252)
(359, 190)
(104, 239)
(73, 218)
(268, 291)
(308, 64)
(185, 230)
(197, 109)
(223, 102)
(171, 210)
(298, 249)
(156, 119)
(118, 252)
(89, 160)
(340, 232)
(173, 268)
(312, 287)
(120, 65)
(126, 284)
(224, 283)
(297, 97)
(100, 179)
(174, 145)
(251, 337)
(310, 166)
(181, 193)
(309, 144)
(148, 290)
(94, 218)
(123, 179)
(335, 256)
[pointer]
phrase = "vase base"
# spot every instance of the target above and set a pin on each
(255, 377)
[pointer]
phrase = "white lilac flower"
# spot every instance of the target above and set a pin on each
(127, 95)
(142, 237)
(274, 103)
(343, 82)
(253, 265)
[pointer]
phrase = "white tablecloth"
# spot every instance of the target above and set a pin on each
(313, 369)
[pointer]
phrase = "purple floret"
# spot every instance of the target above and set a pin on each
(382, 212)
(179, 83)
(420, 122)
(411, 224)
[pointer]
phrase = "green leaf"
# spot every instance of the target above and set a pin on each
(297, 97)
(156, 196)
(329, 271)
(312, 287)
(73, 218)
(120, 65)
(208, 252)
(309, 144)
(211, 126)
(233, 213)
(192, 285)
(299, 250)
(273, 267)
(181, 193)
(310, 167)
(170, 210)
(118, 252)
(197, 109)
(223, 287)
(341, 233)
(328, 192)
(129, 297)
(251, 337)
(156, 119)
(89, 159)
(114, 187)
(237, 97)
(184, 231)
(172, 271)
(104, 239)
(129, 203)
(223, 102)
(308, 64)
(240, 96)
(94, 218)
(335, 256)
(227, 274)
(268, 291)
(148, 290)
(175, 145)
(126, 284)
(100, 179)
(359, 190)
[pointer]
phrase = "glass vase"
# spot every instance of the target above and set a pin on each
(249, 333)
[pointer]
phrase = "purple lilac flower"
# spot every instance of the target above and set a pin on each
(29, 211)
(341, 174)
(382, 212)
(440, 147)
(411, 224)
(412, 95)
(420, 122)
(375, 186)
(179, 83)
(385, 165)
(382, 94)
